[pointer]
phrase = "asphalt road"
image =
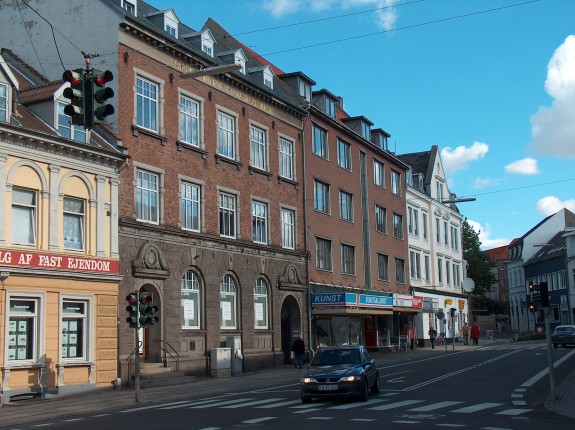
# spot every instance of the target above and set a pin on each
(502, 387)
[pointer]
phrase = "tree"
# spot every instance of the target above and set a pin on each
(479, 264)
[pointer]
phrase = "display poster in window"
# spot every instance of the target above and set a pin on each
(259, 309)
(189, 312)
(12, 326)
(22, 326)
(226, 311)
(21, 355)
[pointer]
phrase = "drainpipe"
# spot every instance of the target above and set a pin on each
(305, 238)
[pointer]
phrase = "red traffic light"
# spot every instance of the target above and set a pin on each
(145, 298)
(102, 79)
(131, 298)
(72, 76)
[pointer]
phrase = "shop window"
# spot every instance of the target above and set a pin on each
(227, 303)
(23, 329)
(191, 301)
(261, 305)
(73, 340)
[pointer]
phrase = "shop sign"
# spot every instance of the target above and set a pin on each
(380, 302)
(417, 302)
(430, 303)
(333, 299)
(38, 260)
(461, 304)
(402, 300)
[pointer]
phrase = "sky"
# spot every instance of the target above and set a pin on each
(490, 82)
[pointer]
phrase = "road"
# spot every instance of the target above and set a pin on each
(497, 388)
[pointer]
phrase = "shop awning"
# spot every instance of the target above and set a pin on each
(349, 311)
(404, 309)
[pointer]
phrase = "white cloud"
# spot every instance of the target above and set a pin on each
(485, 236)
(527, 166)
(553, 128)
(458, 158)
(550, 205)
(484, 182)
(385, 15)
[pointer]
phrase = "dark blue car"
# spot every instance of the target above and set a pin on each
(340, 371)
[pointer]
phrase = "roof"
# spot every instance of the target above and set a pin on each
(555, 247)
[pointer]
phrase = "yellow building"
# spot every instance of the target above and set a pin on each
(59, 258)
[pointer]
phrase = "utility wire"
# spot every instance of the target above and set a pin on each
(31, 41)
(436, 21)
(519, 188)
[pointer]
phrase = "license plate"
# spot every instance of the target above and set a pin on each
(331, 387)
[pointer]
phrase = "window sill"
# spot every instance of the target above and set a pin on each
(288, 181)
(136, 130)
(253, 170)
(220, 159)
(183, 145)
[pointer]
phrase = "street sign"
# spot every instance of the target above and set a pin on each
(440, 315)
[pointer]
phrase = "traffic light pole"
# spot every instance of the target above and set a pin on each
(550, 363)
(137, 365)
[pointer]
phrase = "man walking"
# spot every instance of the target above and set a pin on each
(298, 349)
(475, 333)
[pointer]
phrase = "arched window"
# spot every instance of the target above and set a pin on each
(191, 301)
(261, 304)
(228, 303)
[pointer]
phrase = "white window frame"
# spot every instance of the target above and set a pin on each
(344, 154)
(346, 206)
(380, 219)
(261, 306)
(397, 226)
(288, 228)
(75, 241)
(259, 148)
(396, 182)
(379, 173)
(4, 102)
(32, 210)
(323, 253)
(286, 159)
(425, 225)
(259, 222)
(69, 130)
(80, 319)
(320, 141)
(190, 111)
(226, 135)
(147, 104)
(190, 206)
(330, 107)
(149, 193)
(228, 214)
(15, 330)
(321, 201)
(191, 292)
(228, 298)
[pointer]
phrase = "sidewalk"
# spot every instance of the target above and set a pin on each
(23, 412)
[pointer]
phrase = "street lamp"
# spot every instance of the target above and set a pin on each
(213, 70)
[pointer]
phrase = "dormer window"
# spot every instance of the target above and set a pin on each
(268, 78)
(365, 130)
(3, 102)
(409, 177)
(330, 107)
(67, 129)
(264, 75)
(305, 90)
(170, 30)
(235, 57)
(129, 7)
(208, 43)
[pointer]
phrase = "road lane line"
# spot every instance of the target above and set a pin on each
(224, 402)
(357, 404)
(537, 377)
(255, 402)
(477, 407)
(277, 405)
(434, 406)
(258, 420)
(394, 405)
(513, 412)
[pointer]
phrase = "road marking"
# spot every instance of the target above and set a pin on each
(306, 406)
(363, 420)
(519, 403)
(405, 422)
(434, 406)
(256, 402)
(305, 411)
(475, 408)
(451, 425)
(188, 403)
(225, 402)
(73, 419)
(321, 418)
(395, 405)
(357, 404)
(276, 405)
(545, 371)
(513, 412)
(258, 420)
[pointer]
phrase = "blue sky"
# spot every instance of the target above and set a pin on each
(491, 82)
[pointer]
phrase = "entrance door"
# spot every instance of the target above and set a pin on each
(291, 325)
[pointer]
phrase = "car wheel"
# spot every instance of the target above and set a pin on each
(305, 399)
(364, 390)
(375, 388)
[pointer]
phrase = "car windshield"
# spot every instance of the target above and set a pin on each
(565, 330)
(332, 357)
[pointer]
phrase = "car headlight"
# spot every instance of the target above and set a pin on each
(350, 378)
(307, 380)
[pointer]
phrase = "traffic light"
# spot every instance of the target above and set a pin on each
(132, 309)
(148, 310)
(452, 312)
(530, 286)
(76, 93)
(533, 306)
(544, 294)
(100, 94)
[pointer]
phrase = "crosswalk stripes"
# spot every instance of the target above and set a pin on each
(475, 408)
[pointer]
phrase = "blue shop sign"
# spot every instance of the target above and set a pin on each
(366, 300)
(333, 299)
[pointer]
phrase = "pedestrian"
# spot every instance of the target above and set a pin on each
(298, 349)
(475, 333)
(465, 331)
(432, 335)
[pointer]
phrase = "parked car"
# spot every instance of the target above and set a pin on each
(340, 371)
(563, 335)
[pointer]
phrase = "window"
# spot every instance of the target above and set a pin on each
(323, 254)
(346, 206)
(189, 121)
(381, 141)
(438, 230)
(445, 234)
(146, 104)
(260, 304)
(330, 107)
(227, 210)
(378, 173)
(208, 49)
(413, 222)
(380, 219)
(344, 154)
(347, 259)
(129, 7)
(319, 144)
(439, 190)
(227, 303)
(288, 228)
(74, 222)
(226, 135)
(259, 148)
(399, 271)
(305, 90)
(287, 168)
(321, 196)
(170, 30)
(147, 196)
(4, 102)
(23, 329)
(440, 270)
(447, 273)
(260, 222)
(396, 183)
(382, 267)
(397, 226)
(190, 206)
(415, 265)
(425, 228)
(65, 126)
(23, 216)
(427, 268)
(191, 301)
(74, 337)
(457, 276)
(365, 130)
(454, 238)
(268, 82)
